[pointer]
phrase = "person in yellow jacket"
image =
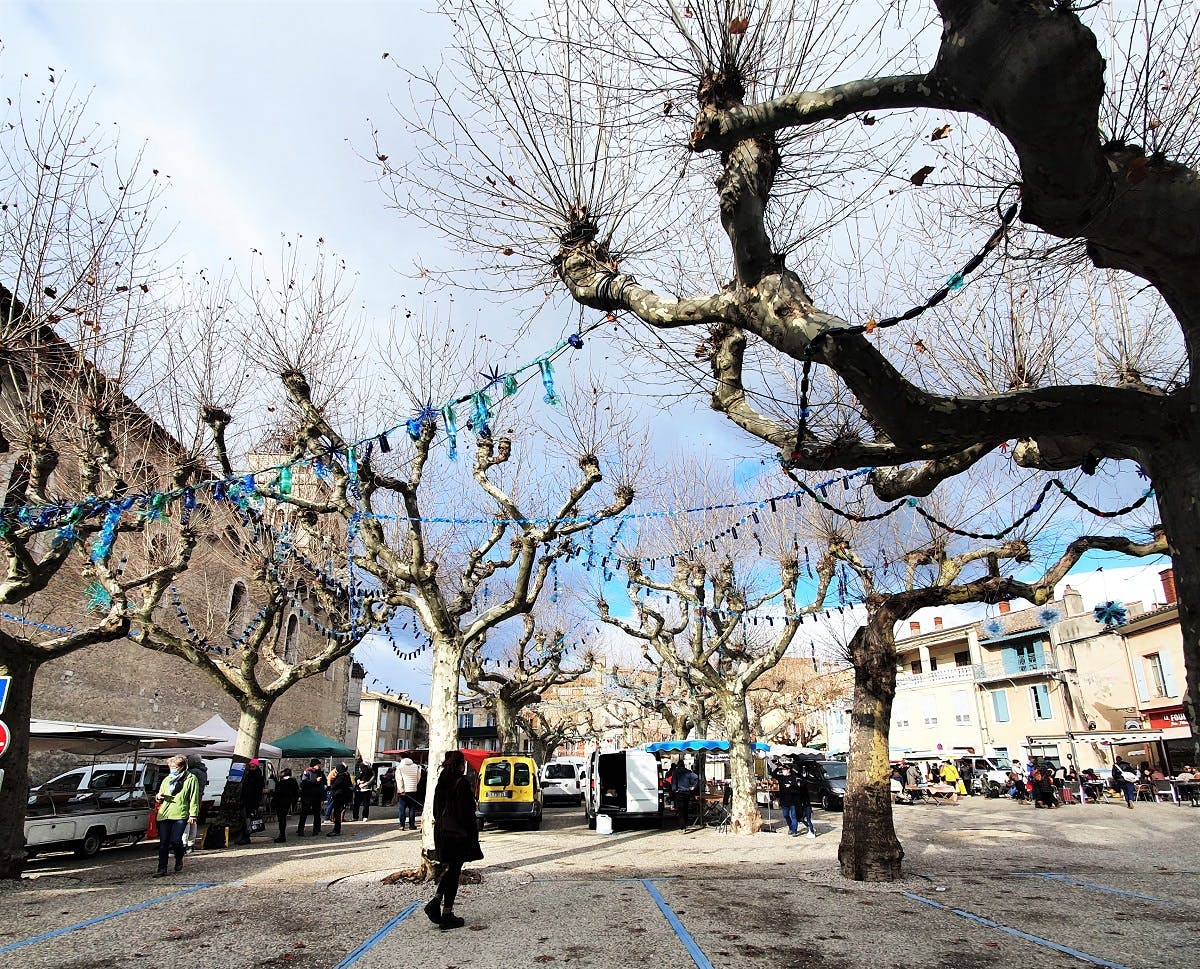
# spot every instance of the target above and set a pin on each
(951, 776)
(177, 804)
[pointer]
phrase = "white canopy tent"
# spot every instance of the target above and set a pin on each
(223, 739)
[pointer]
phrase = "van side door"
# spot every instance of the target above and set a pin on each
(641, 774)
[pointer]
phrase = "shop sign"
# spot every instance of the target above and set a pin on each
(1165, 719)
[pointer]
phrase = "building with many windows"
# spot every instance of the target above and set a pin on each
(389, 721)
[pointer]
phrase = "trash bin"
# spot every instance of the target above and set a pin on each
(603, 824)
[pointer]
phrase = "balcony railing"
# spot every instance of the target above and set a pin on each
(1022, 667)
(948, 674)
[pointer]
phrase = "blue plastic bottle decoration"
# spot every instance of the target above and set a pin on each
(285, 480)
(575, 340)
(955, 282)
(510, 384)
(102, 546)
(451, 421)
(547, 369)
(481, 414)
(97, 597)
(413, 427)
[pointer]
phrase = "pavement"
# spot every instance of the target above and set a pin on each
(987, 883)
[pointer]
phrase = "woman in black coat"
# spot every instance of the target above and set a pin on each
(455, 835)
(341, 790)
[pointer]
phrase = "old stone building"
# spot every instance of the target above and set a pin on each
(48, 455)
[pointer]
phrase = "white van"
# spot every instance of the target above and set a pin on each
(622, 784)
(103, 777)
(562, 780)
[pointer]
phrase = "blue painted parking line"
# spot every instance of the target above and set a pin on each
(1108, 889)
(1017, 933)
(33, 940)
(693, 950)
(378, 937)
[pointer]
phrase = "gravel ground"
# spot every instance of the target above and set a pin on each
(1125, 891)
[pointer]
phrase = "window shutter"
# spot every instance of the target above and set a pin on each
(1168, 674)
(1012, 663)
(1000, 705)
(1139, 678)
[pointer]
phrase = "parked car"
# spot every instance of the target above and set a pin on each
(623, 784)
(562, 780)
(101, 777)
(985, 772)
(509, 790)
(86, 808)
(826, 782)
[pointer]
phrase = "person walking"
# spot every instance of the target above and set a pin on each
(341, 789)
(408, 782)
(951, 776)
(387, 787)
(683, 787)
(283, 799)
(253, 783)
(788, 780)
(1125, 780)
(177, 805)
(455, 836)
(312, 796)
(364, 789)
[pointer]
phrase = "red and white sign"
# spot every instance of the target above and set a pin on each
(4, 735)
(1165, 719)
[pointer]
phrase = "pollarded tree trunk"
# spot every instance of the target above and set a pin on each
(251, 722)
(443, 732)
(746, 818)
(14, 791)
(506, 725)
(1177, 486)
(870, 850)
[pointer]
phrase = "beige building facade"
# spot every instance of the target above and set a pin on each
(389, 721)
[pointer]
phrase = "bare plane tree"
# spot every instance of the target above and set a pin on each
(577, 143)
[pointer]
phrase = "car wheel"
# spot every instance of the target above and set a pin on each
(827, 802)
(91, 844)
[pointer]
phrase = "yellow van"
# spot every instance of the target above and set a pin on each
(509, 790)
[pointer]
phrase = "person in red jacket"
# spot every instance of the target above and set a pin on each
(455, 835)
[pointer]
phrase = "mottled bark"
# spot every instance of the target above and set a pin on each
(17, 663)
(745, 815)
(869, 849)
(443, 731)
(506, 724)
(1177, 473)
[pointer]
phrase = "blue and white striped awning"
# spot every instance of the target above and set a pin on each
(678, 745)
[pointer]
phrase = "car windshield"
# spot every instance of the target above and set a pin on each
(560, 772)
(835, 772)
(497, 774)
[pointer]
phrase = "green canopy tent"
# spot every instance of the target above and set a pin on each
(307, 742)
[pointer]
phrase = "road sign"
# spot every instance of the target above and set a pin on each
(4, 682)
(4, 735)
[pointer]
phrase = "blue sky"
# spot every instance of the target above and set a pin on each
(259, 113)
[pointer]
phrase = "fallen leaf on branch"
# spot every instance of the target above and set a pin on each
(918, 177)
(506, 251)
(940, 132)
(738, 25)
(871, 326)
(919, 346)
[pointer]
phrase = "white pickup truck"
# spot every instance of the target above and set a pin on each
(86, 821)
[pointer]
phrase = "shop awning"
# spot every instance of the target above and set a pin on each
(665, 746)
(1109, 738)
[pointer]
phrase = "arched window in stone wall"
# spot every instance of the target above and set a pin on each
(291, 641)
(239, 608)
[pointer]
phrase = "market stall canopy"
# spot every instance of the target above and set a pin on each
(666, 746)
(785, 750)
(226, 737)
(95, 739)
(307, 742)
(475, 756)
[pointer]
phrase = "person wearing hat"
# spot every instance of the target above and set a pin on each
(312, 796)
(252, 797)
